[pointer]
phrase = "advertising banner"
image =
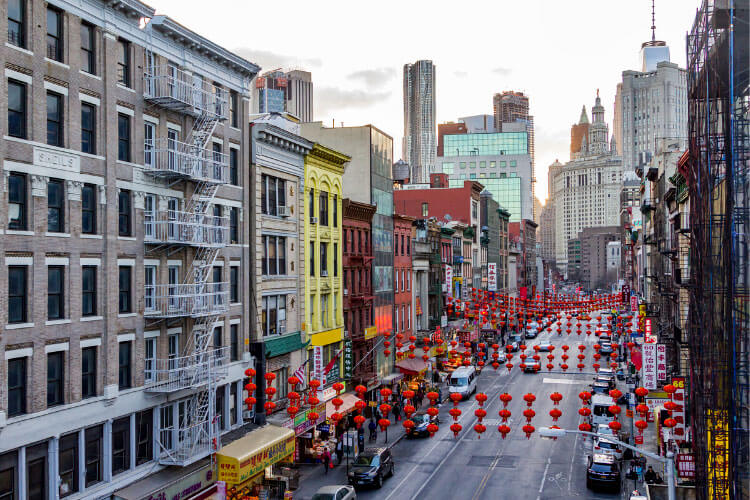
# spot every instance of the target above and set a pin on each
(649, 366)
(449, 280)
(348, 359)
(678, 397)
(317, 373)
(685, 465)
(661, 362)
(492, 276)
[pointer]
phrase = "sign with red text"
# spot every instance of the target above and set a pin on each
(661, 362)
(649, 366)
(685, 465)
(492, 276)
(449, 280)
(318, 364)
(678, 414)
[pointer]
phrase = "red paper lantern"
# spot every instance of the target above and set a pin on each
(615, 425)
(669, 423)
(384, 423)
(456, 428)
(504, 414)
(528, 429)
(503, 430)
(585, 427)
(642, 410)
(555, 413)
(641, 425)
(432, 429)
(584, 412)
(641, 392)
(529, 398)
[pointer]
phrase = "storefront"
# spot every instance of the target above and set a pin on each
(304, 430)
(247, 464)
(194, 482)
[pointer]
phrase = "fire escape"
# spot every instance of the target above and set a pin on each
(199, 234)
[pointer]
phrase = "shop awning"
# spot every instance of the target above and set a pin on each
(170, 482)
(348, 398)
(249, 455)
(412, 366)
(393, 377)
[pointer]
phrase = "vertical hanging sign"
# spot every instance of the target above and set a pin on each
(449, 280)
(649, 366)
(318, 363)
(492, 276)
(348, 359)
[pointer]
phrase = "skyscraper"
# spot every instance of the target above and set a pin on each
(299, 95)
(420, 139)
(278, 91)
(512, 107)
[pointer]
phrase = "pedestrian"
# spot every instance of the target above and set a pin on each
(361, 438)
(373, 430)
(326, 459)
(339, 450)
(650, 475)
(397, 411)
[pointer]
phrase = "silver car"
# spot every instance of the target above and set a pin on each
(336, 492)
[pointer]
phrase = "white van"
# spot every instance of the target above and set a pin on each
(600, 413)
(463, 381)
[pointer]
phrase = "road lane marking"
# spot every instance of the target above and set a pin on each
(572, 459)
(544, 477)
(546, 380)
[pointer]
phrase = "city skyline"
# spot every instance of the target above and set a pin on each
(356, 91)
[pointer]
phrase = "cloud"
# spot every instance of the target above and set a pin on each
(460, 74)
(268, 60)
(373, 78)
(328, 99)
(502, 71)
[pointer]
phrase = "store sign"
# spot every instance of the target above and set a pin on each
(371, 332)
(678, 397)
(348, 359)
(649, 366)
(449, 279)
(302, 424)
(492, 276)
(654, 404)
(418, 307)
(318, 364)
(187, 486)
(661, 362)
(633, 303)
(233, 471)
(685, 465)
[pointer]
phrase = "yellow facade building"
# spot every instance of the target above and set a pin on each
(324, 322)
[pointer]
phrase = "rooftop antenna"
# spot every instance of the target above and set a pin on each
(653, 22)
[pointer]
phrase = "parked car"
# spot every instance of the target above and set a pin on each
(607, 447)
(606, 349)
(604, 471)
(421, 421)
(607, 379)
(371, 466)
(516, 337)
(600, 388)
(335, 492)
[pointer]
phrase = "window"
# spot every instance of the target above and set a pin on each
(16, 109)
(123, 63)
(17, 295)
(88, 209)
(17, 201)
(149, 130)
(233, 109)
(55, 207)
(424, 209)
(88, 291)
(124, 365)
(16, 387)
(234, 284)
(150, 359)
(311, 204)
(335, 211)
(54, 119)
(144, 448)
(273, 195)
(93, 454)
(88, 372)
(173, 344)
(36, 467)
(324, 310)
(120, 445)
(68, 464)
(312, 258)
(54, 34)
(88, 61)
(124, 297)
(234, 163)
(323, 208)
(273, 315)
(234, 342)
(173, 273)
(218, 337)
(324, 259)
(335, 259)
(234, 216)
(123, 212)
(88, 128)
(149, 283)
(17, 23)
(274, 256)
(123, 137)
(55, 373)
(55, 292)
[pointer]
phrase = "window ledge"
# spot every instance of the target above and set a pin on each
(20, 233)
(232, 304)
(17, 326)
(57, 322)
(126, 238)
(57, 235)
(124, 87)
(62, 65)
(127, 315)
(90, 75)
(92, 236)
(91, 318)
(20, 49)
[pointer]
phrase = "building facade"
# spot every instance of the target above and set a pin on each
(594, 255)
(280, 91)
(579, 133)
(420, 142)
(123, 243)
(358, 294)
(524, 234)
(511, 108)
(324, 171)
(402, 274)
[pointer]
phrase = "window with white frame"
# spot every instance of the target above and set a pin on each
(273, 315)
(150, 359)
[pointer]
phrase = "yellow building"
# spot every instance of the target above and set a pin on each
(324, 322)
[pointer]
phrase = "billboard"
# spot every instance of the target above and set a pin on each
(492, 276)
(649, 366)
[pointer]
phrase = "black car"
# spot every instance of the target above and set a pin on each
(421, 421)
(371, 466)
(603, 471)
(600, 388)
(606, 349)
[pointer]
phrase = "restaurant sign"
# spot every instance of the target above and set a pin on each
(233, 471)
(301, 424)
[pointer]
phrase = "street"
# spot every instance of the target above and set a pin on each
(492, 467)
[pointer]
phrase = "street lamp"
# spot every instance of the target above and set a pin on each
(550, 432)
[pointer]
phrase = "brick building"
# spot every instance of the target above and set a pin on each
(124, 239)
(358, 296)
(523, 233)
(402, 274)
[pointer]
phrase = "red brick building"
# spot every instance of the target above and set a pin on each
(358, 296)
(402, 274)
(439, 201)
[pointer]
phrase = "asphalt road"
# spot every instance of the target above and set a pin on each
(472, 468)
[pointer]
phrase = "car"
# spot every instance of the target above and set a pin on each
(335, 492)
(607, 447)
(531, 333)
(421, 421)
(605, 339)
(603, 470)
(513, 346)
(606, 371)
(370, 467)
(605, 430)
(545, 346)
(532, 366)
(606, 349)
(600, 388)
(607, 379)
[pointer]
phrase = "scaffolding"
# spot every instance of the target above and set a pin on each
(718, 318)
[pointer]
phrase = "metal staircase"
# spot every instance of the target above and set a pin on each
(201, 235)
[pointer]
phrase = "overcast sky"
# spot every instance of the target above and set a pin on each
(557, 52)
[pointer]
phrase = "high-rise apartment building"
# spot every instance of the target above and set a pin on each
(513, 107)
(280, 91)
(650, 105)
(299, 95)
(125, 325)
(420, 141)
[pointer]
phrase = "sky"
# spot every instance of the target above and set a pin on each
(557, 52)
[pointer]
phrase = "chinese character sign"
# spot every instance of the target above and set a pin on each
(649, 366)
(492, 276)
(348, 359)
(661, 362)
(678, 398)
(318, 364)
(685, 465)
(449, 280)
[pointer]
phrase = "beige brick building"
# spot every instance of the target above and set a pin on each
(123, 245)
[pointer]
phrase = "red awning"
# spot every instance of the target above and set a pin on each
(411, 366)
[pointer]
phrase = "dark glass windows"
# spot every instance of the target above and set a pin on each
(123, 212)
(17, 109)
(88, 128)
(55, 377)
(54, 119)
(88, 372)
(17, 202)
(124, 365)
(123, 63)
(88, 59)
(55, 292)
(273, 195)
(125, 298)
(17, 23)
(123, 137)
(16, 386)
(17, 294)
(55, 206)
(54, 34)
(88, 209)
(120, 445)
(88, 291)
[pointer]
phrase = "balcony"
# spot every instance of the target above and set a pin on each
(186, 228)
(182, 446)
(186, 372)
(173, 159)
(187, 299)
(422, 249)
(171, 88)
